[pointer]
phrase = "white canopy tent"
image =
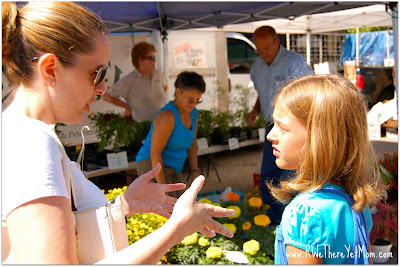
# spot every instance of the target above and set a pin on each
(368, 16)
(355, 18)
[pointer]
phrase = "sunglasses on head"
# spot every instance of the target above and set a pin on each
(152, 58)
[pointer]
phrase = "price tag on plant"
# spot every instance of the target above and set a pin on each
(117, 160)
(236, 256)
(202, 143)
(233, 143)
(261, 134)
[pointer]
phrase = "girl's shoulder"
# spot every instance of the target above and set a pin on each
(321, 201)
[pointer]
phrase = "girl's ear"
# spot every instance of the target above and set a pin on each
(47, 66)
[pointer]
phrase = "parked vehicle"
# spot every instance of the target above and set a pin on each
(377, 83)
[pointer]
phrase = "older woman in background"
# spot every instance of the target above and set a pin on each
(172, 136)
(143, 89)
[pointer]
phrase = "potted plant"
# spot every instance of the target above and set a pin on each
(116, 131)
(239, 108)
(385, 213)
(221, 132)
(205, 125)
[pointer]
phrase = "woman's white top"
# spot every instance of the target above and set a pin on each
(32, 168)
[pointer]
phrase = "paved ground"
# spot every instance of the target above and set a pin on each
(235, 169)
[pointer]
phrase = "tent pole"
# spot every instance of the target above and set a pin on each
(166, 72)
(357, 46)
(308, 47)
(320, 48)
(388, 45)
(288, 41)
(394, 7)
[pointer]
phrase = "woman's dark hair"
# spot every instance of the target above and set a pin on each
(190, 81)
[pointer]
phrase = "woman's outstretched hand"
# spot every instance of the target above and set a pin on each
(194, 216)
(143, 196)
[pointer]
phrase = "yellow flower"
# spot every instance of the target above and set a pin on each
(238, 211)
(214, 252)
(255, 202)
(190, 239)
(129, 232)
(231, 227)
(251, 247)
(205, 200)
(141, 232)
(246, 225)
(203, 241)
(262, 220)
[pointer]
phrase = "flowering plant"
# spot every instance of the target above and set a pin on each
(385, 212)
(252, 235)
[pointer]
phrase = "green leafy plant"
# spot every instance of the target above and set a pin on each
(114, 129)
(205, 124)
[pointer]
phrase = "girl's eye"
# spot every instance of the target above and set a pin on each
(282, 128)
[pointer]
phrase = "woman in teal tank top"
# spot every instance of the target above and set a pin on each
(173, 132)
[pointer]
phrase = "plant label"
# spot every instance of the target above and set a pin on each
(117, 160)
(236, 256)
(202, 143)
(261, 134)
(233, 143)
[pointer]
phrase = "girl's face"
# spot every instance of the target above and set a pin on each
(75, 88)
(288, 138)
(188, 99)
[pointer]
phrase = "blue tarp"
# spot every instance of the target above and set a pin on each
(373, 48)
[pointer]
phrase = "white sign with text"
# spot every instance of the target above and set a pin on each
(117, 160)
(189, 55)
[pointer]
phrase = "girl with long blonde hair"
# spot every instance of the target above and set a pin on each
(321, 131)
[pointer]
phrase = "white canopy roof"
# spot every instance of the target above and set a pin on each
(369, 16)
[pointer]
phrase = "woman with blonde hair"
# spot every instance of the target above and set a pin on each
(321, 132)
(56, 54)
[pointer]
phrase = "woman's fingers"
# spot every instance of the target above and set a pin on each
(219, 212)
(219, 228)
(207, 232)
(163, 213)
(174, 187)
(150, 174)
(191, 193)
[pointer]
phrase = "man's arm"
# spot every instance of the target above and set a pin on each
(252, 115)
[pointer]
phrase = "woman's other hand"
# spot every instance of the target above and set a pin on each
(143, 196)
(194, 216)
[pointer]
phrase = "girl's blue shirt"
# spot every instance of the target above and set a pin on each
(322, 224)
(175, 151)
